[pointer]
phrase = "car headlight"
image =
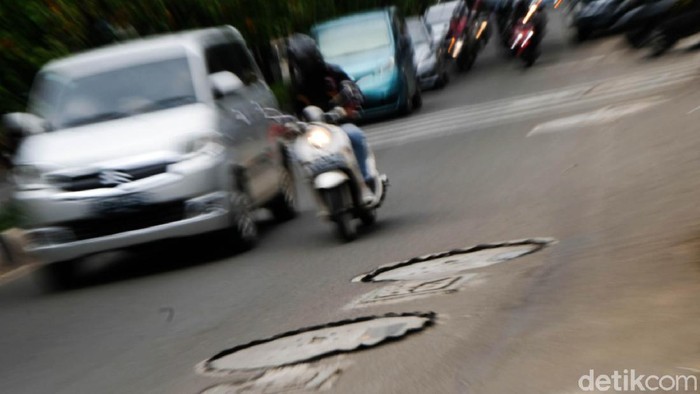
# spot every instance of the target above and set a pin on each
(212, 144)
(28, 177)
(318, 137)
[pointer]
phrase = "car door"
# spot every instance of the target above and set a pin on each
(265, 163)
(238, 119)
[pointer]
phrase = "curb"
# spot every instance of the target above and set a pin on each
(14, 261)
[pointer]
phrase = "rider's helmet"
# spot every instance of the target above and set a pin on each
(520, 8)
(304, 56)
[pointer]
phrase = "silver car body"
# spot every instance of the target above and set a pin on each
(428, 57)
(438, 17)
(167, 172)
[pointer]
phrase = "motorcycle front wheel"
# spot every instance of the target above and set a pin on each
(338, 203)
(637, 38)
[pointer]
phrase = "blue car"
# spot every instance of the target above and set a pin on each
(374, 48)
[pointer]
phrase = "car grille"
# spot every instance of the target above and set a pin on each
(97, 180)
(152, 215)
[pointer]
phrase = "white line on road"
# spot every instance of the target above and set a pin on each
(694, 109)
(633, 82)
(595, 118)
(503, 111)
(455, 126)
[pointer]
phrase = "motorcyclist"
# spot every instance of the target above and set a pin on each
(520, 9)
(317, 83)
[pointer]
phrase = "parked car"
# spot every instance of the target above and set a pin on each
(152, 139)
(591, 17)
(374, 48)
(442, 17)
(429, 59)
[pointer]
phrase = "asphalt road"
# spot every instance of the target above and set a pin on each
(489, 158)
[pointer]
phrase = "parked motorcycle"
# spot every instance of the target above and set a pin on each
(669, 32)
(644, 16)
(480, 29)
(325, 153)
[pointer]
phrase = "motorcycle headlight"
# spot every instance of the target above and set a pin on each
(28, 177)
(209, 145)
(457, 48)
(318, 137)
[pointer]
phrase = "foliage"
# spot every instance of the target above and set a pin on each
(10, 216)
(32, 32)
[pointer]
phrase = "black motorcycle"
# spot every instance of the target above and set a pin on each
(644, 19)
(669, 32)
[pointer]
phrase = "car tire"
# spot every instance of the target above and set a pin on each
(443, 80)
(58, 276)
(582, 34)
(243, 231)
(283, 207)
(417, 99)
(637, 38)
(659, 43)
(407, 106)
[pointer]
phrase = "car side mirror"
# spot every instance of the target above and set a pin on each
(19, 124)
(225, 83)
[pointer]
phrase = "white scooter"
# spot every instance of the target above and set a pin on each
(325, 153)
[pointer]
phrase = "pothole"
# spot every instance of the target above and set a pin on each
(314, 343)
(299, 377)
(409, 290)
(454, 262)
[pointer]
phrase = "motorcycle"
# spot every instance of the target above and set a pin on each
(480, 29)
(524, 43)
(461, 45)
(668, 33)
(326, 156)
(643, 16)
(590, 17)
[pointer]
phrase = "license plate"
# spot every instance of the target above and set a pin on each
(326, 163)
(119, 205)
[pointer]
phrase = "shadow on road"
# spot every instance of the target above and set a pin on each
(158, 258)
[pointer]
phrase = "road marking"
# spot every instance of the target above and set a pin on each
(16, 273)
(693, 110)
(518, 108)
(594, 118)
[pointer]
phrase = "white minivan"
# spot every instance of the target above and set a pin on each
(152, 139)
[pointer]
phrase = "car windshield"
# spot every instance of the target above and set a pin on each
(351, 38)
(417, 31)
(441, 13)
(119, 93)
